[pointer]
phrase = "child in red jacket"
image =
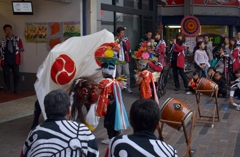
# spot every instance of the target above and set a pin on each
(193, 83)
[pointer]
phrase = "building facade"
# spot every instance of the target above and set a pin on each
(220, 17)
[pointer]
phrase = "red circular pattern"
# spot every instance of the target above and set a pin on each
(63, 70)
(190, 25)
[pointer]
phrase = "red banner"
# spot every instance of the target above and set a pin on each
(174, 2)
(216, 2)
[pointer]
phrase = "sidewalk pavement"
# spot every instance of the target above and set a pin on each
(221, 141)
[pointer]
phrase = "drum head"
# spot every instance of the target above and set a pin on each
(165, 104)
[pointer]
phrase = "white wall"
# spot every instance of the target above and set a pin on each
(44, 11)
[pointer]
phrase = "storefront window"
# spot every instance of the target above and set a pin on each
(107, 20)
(128, 3)
(220, 30)
(147, 4)
(106, 1)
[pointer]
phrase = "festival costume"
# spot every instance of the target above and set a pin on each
(236, 59)
(60, 137)
(194, 84)
(147, 85)
(140, 144)
(110, 103)
(83, 93)
(10, 49)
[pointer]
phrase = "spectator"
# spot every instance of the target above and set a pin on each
(211, 72)
(11, 49)
(178, 61)
(57, 135)
(220, 66)
(201, 59)
(144, 117)
(235, 89)
(238, 40)
(226, 45)
(147, 37)
(221, 82)
(209, 48)
(160, 48)
(124, 55)
(232, 47)
(193, 82)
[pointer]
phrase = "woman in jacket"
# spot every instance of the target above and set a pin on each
(178, 61)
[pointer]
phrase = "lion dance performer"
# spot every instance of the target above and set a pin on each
(83, 92)
(144, 77)
(110, 102)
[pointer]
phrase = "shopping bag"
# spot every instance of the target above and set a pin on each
(91, 119)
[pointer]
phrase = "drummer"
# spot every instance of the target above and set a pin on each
(235, 89)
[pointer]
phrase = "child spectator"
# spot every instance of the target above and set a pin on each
(145, 81)
(211, 72)
(201, 59)
(221, 82)
(193, 82)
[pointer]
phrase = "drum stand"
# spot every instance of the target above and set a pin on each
(215, 110)
(182, 123)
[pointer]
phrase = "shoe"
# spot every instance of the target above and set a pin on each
(106, 141)
(238, 108)
(189, 93)
(177, 89)
(129, 90)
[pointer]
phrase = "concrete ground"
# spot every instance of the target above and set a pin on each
(221, 141)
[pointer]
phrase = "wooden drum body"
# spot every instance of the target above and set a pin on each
(175, 110)
(206, 84)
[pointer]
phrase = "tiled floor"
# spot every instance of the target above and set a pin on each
(221, 141)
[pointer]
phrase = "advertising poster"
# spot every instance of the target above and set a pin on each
(191, 43)
(217, 2)
(35, 32)
(55, 29)
(214, 38)
(71, 29)
(174, 2)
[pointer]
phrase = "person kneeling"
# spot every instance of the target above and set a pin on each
(193, 82)
(221, 82)
(144, 118)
